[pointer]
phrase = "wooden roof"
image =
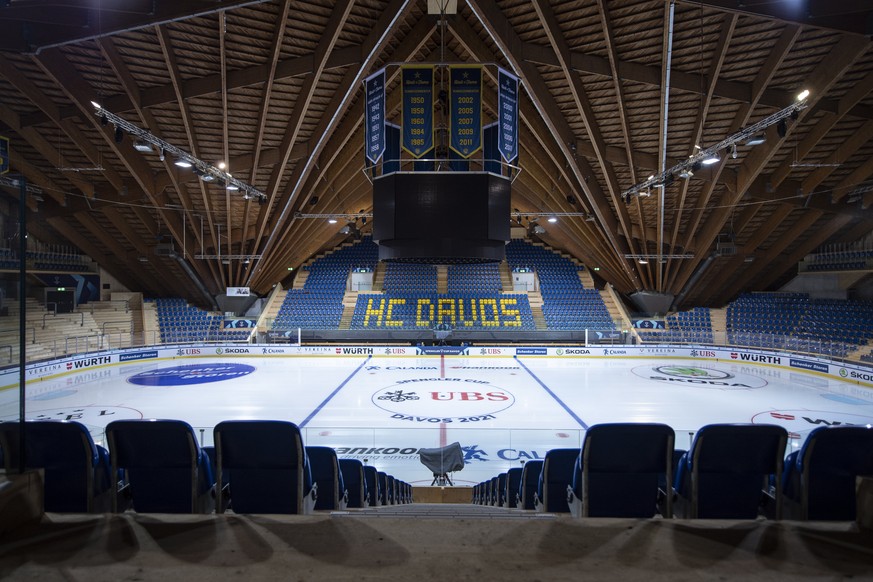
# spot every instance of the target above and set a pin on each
(273, 88)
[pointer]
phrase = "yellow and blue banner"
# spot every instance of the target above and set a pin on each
(507, 105)
(417, 109)
(465, 109)
(374, 128)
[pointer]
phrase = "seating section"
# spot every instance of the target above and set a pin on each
(566, 304)
(839, 260)
(410, 278)
(795, 322)
(319, 305)
(731, 471)
(467, 311)
(65, 261)
(76, 471)
(182, 323)
(474, 278)
(694, 327)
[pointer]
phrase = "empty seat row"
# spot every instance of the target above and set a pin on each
(157, 466)
(731, 471)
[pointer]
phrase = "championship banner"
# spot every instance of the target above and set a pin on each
(374, 134)
(507, 104)
(417, 103)
(465, 109)
(4, 154)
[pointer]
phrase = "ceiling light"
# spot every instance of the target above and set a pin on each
(183, 163)
(207, 177)
(142, 146)
(645, 193)
(233, 188)
(221, 165)
(539, 229)
(711, 159)
(644, 261)
(331, 220)
(552, 219)
(757, 140)
(686, 173)
(734, 151)
(161, 155)
(590, 218)
(803, 95)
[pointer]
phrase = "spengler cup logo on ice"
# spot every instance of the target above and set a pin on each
(191, 374)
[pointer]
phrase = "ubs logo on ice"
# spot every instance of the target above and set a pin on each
(443, 400)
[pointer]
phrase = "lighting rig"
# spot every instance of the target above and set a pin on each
(751, 135)
(146, 142)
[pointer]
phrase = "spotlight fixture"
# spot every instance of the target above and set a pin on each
(246, 196)
(552, 219)
(645, 193)
(119, 135)
(331, 220)
(757, 140)
(803, 95)
(782, 128)
(183, 163)
(685, 173)
(207, 177)
(590, 218)
(734, 151)
(710, 160)
(104, 121)
(232, 187)
(644, 261)
(143, 146)
(161, 155)
(221, 165)
(537, 229)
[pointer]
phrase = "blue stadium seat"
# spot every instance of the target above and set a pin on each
(819, 479)
(513, 481)
(529, 480)
(726, 472)
(76, 471)
(267, 467)
(374, 486)
(165, 469)
(617, 473)
(556, 475)
(327, 476)
(387, 492)
(356, 484)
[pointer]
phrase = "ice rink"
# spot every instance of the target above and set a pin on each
(503, 410)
